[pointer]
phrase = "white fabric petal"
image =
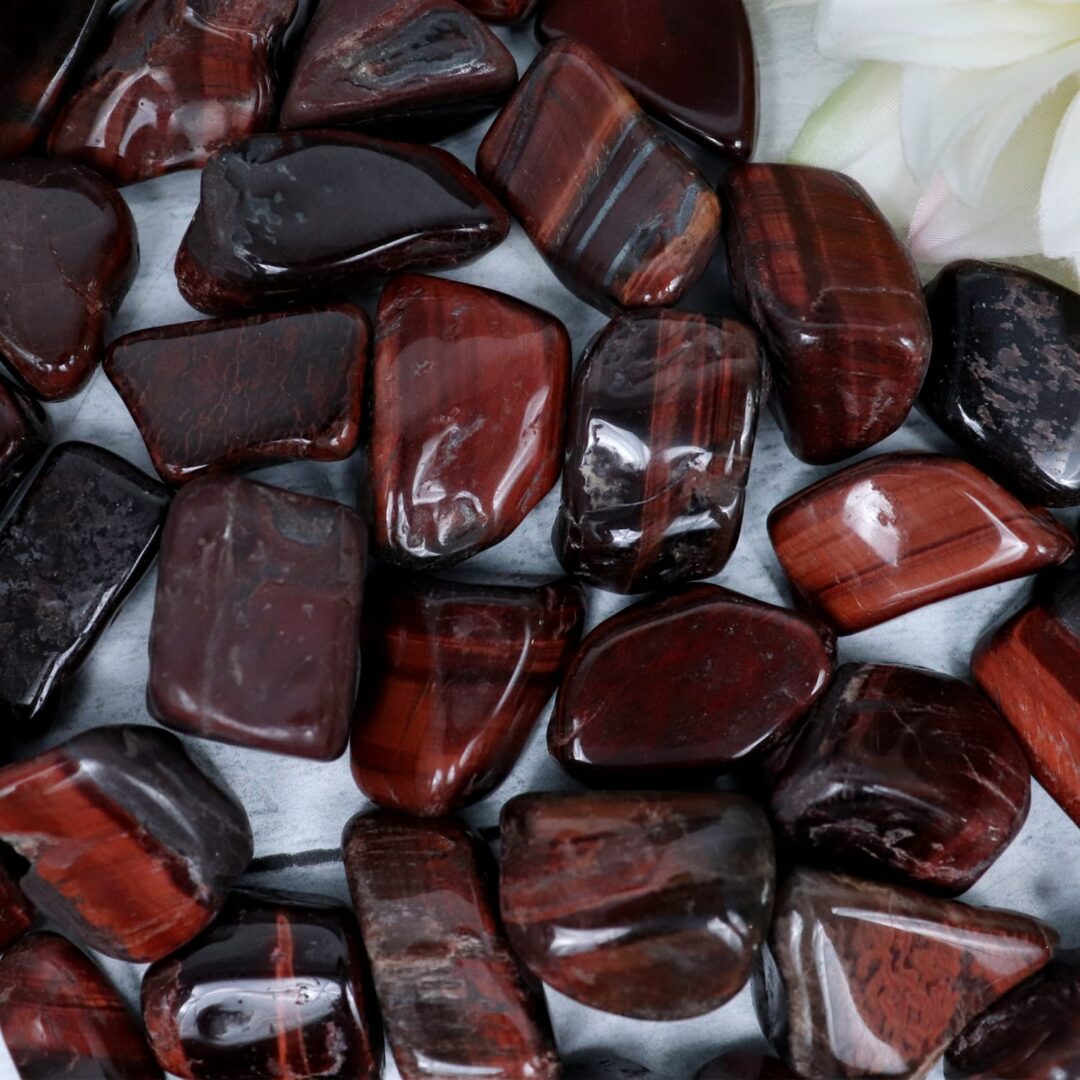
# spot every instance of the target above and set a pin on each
(1059, 207)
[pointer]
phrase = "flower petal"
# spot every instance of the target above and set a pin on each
(1059, 208)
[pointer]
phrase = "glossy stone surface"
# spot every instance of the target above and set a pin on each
(744, 1067)
(69, 256)
(423, 67)
(24, 437)
(275, 987)
(861, 979)
(468, 416)
(501, 11)
(130, 842)
(346, 208)
(621, 215)
(226, 394)
(60, 1016)
(837, 300)
(16, 912)
(899, 531)
(454, 1000)
(175, 80)
(662, 426)
(690, 682)
(648, 905)
(79, 540)
(903, 773)
(689, 62)
(256, 624)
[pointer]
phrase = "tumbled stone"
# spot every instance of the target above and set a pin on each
(501, 11)
(24, 437)
(744, 1067)
(77, 543)
(468, 416)
(285, 215)
(861, 979)
(905, 773)
(255, 634)
(899, 531)
(275, 987)
(69, 257)
(662, 426)
(454, 679)
(16, 912)
(130, 843)
(837, 300)
(60, 1016)
(236, 393)
(620, 214)
(175, 80)
(628, 712)
(454, 1000)
(647, 904)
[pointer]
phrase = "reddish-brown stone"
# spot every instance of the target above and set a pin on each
(16, 912)
(837, 300)
(896, 532)
(24, 436)
(501, 11)
(745, 1067)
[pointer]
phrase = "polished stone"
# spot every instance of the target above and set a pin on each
(468, 418)
(648, 905)
(225, 394)
(454, 999)
(899, 531)
(501, 11)
(275, 987)
(620, 214)
(686, 684)
(602, 1066)
(130, 843)
(743, 1066)
(24, 437)
(256, 627)
(662, 427)
(345, 208)
(838, 302)
(454, 679)
(69, 256)
(861, 979)
(16, 912)
(903, 773)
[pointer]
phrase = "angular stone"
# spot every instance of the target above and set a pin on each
(454, 1000)
(648, 905)
(224, 394)
(345, 208)
(422, 67)
(175, 80)
(860, 979)
(837, 300)
(689, 62)
(256, 627)
(16, 912)
(60, 1016)
(620, 214)
(745, 1067)
(24, 437)
(602, 1066)
(79, 540)
(276, 986)
(468, 418)
(899, 531)
(69, 257)
(130, 843)
(904, 773)
(454, 679)
(501, 11)
(686, 684)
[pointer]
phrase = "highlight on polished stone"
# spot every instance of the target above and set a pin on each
(838, 302)
(622, 216)
(501, 11)
(130, 843)
(69, 258)
(275, 987)
(662, 426)
(24, 437)
(903, 773)
(468, 417)
(343, 208)
(860, 979)
(645, 904)
(628, 713)
(744, 1066)
(455, 676)
(256, 627)
(226, 394)
(899, 531)
(454, 1000)
(175, 80)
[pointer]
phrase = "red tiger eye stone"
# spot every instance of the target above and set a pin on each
(24, 437)
(501, 11)
(16, 913)
(837, 300)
